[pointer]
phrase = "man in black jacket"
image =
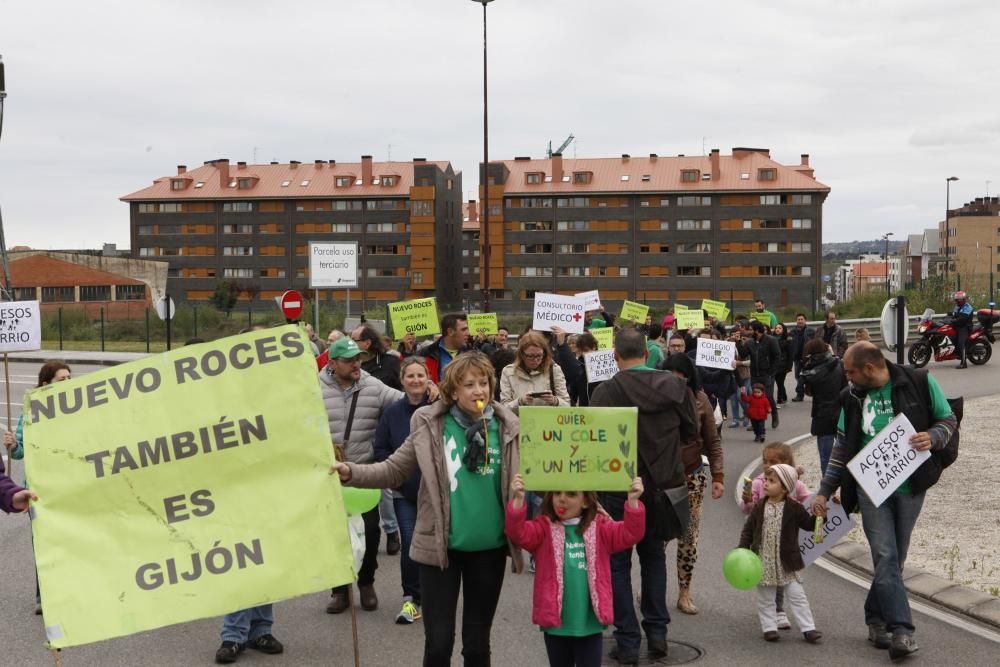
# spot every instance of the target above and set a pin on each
(800, 334)
(883, 390)
(765, 355)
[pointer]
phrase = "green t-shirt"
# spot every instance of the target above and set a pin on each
(877, 412)
(476, 499)
(597, 323)
(766, 317)
(655, 355)
(578, 618)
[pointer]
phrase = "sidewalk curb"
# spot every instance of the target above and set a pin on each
(77, 357)
(977, 605)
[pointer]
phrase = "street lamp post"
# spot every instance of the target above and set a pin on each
(885, 237)
(947, 228)
(485, 177)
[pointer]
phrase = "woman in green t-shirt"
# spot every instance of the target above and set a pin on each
(466, 448)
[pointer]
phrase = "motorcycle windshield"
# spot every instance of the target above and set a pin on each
(928, 315)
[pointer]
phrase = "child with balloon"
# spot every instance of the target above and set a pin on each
(772, 532)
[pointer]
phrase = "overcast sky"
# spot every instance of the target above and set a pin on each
(889, 98)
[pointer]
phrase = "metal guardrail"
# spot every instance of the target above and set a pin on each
(872, 324)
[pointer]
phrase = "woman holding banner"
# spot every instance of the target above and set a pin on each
(465, 447)
(534, 378)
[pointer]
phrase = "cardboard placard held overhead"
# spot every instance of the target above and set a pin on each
(565, 312)
(887, 460)
(601, 365)
(605, 337)
(483, 323)
(715, 353)
(689, 319)
(634, 312)
(716, 309)
(591, 300)
(20, 326)
(418, 317)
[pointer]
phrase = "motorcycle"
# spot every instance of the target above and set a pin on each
(939, 338)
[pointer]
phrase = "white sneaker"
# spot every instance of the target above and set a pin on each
(783, 623)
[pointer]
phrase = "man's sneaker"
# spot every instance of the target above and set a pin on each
(771, 636)
(798, 399)
(266, 644)
(656, 649)
(392, 543)
(902, 646)
(783, 623)
(735, 424)
(228, 653)
(408, 614)
(813, 636)
(878, 636)
(622, 657)
(338, 602)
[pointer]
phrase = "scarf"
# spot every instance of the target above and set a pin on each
(475, 436)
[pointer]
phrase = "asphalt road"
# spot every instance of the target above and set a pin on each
(726, 629)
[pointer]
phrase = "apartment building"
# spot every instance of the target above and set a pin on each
(252, 223)
(973, 243)
(658, 230)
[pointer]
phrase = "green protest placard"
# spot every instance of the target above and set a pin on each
(483, 323)
(605, 337)
(418, 317)
(634, 312)
(164, 488)
(689, 319)
(578, 449)
(714, 309)
(725, 315)
(678, 307)
(764, 318)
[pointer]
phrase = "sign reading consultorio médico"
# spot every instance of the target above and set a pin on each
(164, 488)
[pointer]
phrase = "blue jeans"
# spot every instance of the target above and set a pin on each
(825, 445)
(406, 516)
(248, 624)
(888, 529)
(734, 400)
(387, 512)
(653, 585)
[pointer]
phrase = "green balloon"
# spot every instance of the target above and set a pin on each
(742, 569)
(359, 501)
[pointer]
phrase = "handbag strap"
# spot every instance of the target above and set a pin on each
(350, 417)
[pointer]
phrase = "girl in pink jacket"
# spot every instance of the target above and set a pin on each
(572, 544)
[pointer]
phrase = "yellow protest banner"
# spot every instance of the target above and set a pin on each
(483, 323)
(418, 317)
(184, 485)
(689, 319)
(678, 307)
(605, 337)
(725, 315)
(714, 309)
(634, 312)
(764, 318)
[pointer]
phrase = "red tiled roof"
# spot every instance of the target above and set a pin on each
(664, 174)
(271, 176)
(870, 270)
(43, 271)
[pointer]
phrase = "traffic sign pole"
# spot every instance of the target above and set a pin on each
(169, 316)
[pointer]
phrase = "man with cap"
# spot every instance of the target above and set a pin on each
(354, 402)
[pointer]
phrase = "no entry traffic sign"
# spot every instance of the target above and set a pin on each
(291, 304)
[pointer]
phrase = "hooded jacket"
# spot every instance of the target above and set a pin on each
(823, 379)
(667, 416)
(7, 490)
(373, 398)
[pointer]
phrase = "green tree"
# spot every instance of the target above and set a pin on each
(225, 296)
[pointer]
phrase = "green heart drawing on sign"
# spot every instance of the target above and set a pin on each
(630, 469)
(625, 446)
(527, 471)
(623, 428)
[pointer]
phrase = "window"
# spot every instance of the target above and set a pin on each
(646, 179)
(381, 272)
(388, 181)
(178, 184)
(237, 229)
(694, 247)
(244, 183)
(664, 202)
(573, 225)
(772, 224)
(801, 247)
(313, 205)
(767, 174)
(285, 184)
(25, 293)
(534, 178)
(346, 205)
(95, 293)
(423, 208)
(382, 250)
(536, 248)
(694, 200)
(381, 227)
(238, 273)
(694, 270)
(623, 271)
(271, 228)
(272, 272)
(536, 271)
(538, 226)
(582, 177)
(170, 229)
(343, 181)
(237, 251)
(305, 183)
(804, 223)
(689, 225)
(800, 199)
(770, 270)
(417, 277)
(748, 224)
(573, 202)
(801, 270)
(573, 248)
(61, 294)
(145, 229)
(689, 175)
(574, 271)
(744, 176)
(237, 207)
(130, 292)
(387, 205)
(770, 200)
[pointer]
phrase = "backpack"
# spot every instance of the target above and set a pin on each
(949, 454)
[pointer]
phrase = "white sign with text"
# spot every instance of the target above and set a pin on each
(887, 461)
(838, 523)
(333, 265)
(591, 300)
(565, 312)
(601, 365)
(715, 353)
(20, 326)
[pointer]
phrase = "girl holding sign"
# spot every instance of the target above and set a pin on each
(465, 447)
(572, 544)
